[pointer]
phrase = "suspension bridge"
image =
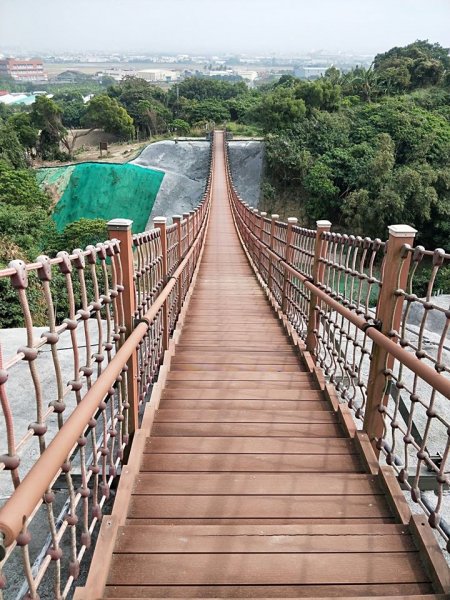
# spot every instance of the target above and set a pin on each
(252, 389)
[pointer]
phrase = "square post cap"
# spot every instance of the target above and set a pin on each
(292, 220)
(401, 231)
(160, 220)
(323, 224)
(119, 224)
(275, 217)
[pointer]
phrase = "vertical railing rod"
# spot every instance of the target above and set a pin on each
(161, 224)
(320, 251)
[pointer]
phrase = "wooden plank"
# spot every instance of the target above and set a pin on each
(321, 430)
(254, 334)
(276, 520)
(240, 384)
(242, 394)
(407, 591)
(249, 445)
(369, 529)
(346, 420)
(231, 375)
(152, 539)
(224, 367)
(245, 404)
(431, 553)
(234, 346)
(239, 358)
(266, 569)
(220, 354)
(295, 463)
(394, 494)
(230, 326)
(367, 453)
(243, 416)
(318, 485)
(102, 559)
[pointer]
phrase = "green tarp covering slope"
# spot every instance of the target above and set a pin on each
(102, 191)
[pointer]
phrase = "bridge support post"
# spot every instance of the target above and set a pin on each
(320, 250)
(120, 229)
(274, 218)
(177, 220)
(389, 313)
(288, 259)
(161, 224)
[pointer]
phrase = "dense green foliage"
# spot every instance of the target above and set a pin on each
(368, 148)
(106, 113)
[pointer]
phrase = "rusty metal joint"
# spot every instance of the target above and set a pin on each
(148, 322)
(375, 323)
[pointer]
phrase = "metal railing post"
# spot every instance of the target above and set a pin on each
(161, 224)
(187, 216)
(177, 220)
(320, 250)
(274, 218)
(288, 258)
(120, 229)
(262, 215)
(255, 232)
(389, 313)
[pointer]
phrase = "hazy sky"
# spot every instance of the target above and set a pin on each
(269, 26)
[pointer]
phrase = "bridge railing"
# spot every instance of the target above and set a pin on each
(366, 312)
(73, 393)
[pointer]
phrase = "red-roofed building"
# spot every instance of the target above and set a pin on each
(22, 69)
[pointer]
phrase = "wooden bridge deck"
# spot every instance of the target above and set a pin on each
(249, 484)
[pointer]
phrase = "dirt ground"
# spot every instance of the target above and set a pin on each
(119, 152)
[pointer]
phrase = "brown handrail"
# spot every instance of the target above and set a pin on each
(23, 501)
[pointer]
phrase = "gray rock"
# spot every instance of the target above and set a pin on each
(185, 164)
(246, 161)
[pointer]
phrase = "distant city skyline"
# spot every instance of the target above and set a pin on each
(281, 27)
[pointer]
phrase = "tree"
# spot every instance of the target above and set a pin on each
(202, 88)
(280, 109)
(27, 134)
(199, 112)
(72, 108)
(106, 113)
(287, 159)
(243, 108)
(11, 150)
(363, 83)
(321, 94)
(181, 127)
(24, 209)
(152, 117)
(83, 232)
(145, 103)
(420, 64)
(46, 116)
